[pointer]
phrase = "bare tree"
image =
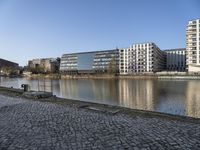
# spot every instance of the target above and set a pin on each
(112, 66)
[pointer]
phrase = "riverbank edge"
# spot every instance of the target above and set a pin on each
(18, 93)
(106, 76)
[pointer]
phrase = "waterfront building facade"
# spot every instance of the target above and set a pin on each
(90, 62)
(44, 64)
(141, 58)
(106, 61)
(77, 63)
(176, 59)
(193, 46)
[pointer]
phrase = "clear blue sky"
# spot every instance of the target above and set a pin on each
(48, 28)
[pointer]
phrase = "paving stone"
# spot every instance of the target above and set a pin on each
(25, 124)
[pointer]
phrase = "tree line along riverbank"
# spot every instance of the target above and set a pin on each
(107, 76)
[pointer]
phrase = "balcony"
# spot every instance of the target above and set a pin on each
(191, 31)
(190, 41)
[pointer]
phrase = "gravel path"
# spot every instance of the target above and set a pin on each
(26, 124)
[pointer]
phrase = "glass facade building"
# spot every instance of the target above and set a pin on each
(105, 60)
(89, 62)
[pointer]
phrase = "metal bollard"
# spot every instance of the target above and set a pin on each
(25, 86)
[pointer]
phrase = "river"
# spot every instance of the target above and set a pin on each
(180, 97)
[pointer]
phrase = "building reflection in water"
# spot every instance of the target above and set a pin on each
(124, 92)
(100, 91)
(180, 97)
(193, 98)
(68, 89)
(170, 96)
(137, 94)
(106, 91)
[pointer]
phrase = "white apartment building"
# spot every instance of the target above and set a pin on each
(193, 46)
(141, 58)
(176, 59)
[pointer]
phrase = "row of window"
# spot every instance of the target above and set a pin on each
(135, 71)
(176, 68)
(66, 68)
(175, 52)
(176, 65)
(103, 59)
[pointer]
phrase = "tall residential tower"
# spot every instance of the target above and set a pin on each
(193, 46)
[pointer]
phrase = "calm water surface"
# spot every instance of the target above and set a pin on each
(171, 96)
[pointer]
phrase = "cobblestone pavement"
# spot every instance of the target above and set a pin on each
(44, 126)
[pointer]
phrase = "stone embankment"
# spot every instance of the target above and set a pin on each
(55, 123)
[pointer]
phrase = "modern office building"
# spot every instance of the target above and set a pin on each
(90, 62)
(77, 63)
(105, 61)
(193, 46)
(176, 59)
(141, 58)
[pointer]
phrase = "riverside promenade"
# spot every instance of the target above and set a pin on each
(27, 124)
